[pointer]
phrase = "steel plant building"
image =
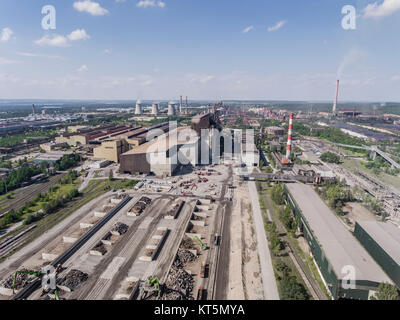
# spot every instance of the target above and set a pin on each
(160, 156)
(335, 250)
(382, 241)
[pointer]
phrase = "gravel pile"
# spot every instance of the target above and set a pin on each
(74, 278)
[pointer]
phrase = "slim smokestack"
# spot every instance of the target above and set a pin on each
(334, 111)
(290, 134)
(33, 109)
(180, 106)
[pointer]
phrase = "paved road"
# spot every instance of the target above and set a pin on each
(86, 181)
(267, 270)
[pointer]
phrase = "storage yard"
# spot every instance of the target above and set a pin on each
(112, 246)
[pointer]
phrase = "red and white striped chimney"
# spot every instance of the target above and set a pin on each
(290, 134)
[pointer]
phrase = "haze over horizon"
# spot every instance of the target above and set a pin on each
(208, 50)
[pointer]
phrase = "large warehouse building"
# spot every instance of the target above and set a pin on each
(163, 155)
(113, 146)
(382, 241)
(335, 250)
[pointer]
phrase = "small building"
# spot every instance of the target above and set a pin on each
(335, 250)
(274, 131)
(50, 146)
(50, 157)
(100, 164)
(382, 241)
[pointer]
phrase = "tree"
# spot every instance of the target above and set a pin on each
(275, 240)
(290, 289)
(278, 194)
(386, 291)
(330, 158)
(111, 176)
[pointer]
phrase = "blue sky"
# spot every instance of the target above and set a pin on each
(209, 49)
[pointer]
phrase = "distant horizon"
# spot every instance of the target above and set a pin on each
(112, 101)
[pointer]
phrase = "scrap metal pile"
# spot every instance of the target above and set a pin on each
(179, 284)
(21, 281)
(119, 229)
(74, 279)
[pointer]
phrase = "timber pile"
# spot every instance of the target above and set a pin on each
(74, 279)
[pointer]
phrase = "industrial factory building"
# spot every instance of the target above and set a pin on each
(113, 146)
(163, 155)
(382, 241)
(274, 132)
(335, 250)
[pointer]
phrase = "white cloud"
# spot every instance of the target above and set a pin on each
(201, 78)
(78, 34)
(107, 51)
(150, 3)
(53, 41)
(249, 28)
(277, 26)
(383, 9)
(62, 41)
(35, 55)
(91, 7)
(83, 68)
(6, 34)
(6, 61)
(395, 78)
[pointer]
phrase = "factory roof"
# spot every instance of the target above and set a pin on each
(386, 235)
(339, 246)
(163, 143)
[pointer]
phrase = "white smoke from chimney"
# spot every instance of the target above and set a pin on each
(348, 61)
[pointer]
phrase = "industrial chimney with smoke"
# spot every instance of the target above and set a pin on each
(334, 111)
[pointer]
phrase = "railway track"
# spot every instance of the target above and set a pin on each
(21, 241)
(33, 286)
(31, 194)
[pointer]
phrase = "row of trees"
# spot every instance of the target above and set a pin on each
(289, 287)
(18, 176)
(331, 134)
(67, 161)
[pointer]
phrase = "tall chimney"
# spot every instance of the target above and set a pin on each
(33, 109)
(290, 134)
(180, 106)
(334, 111)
